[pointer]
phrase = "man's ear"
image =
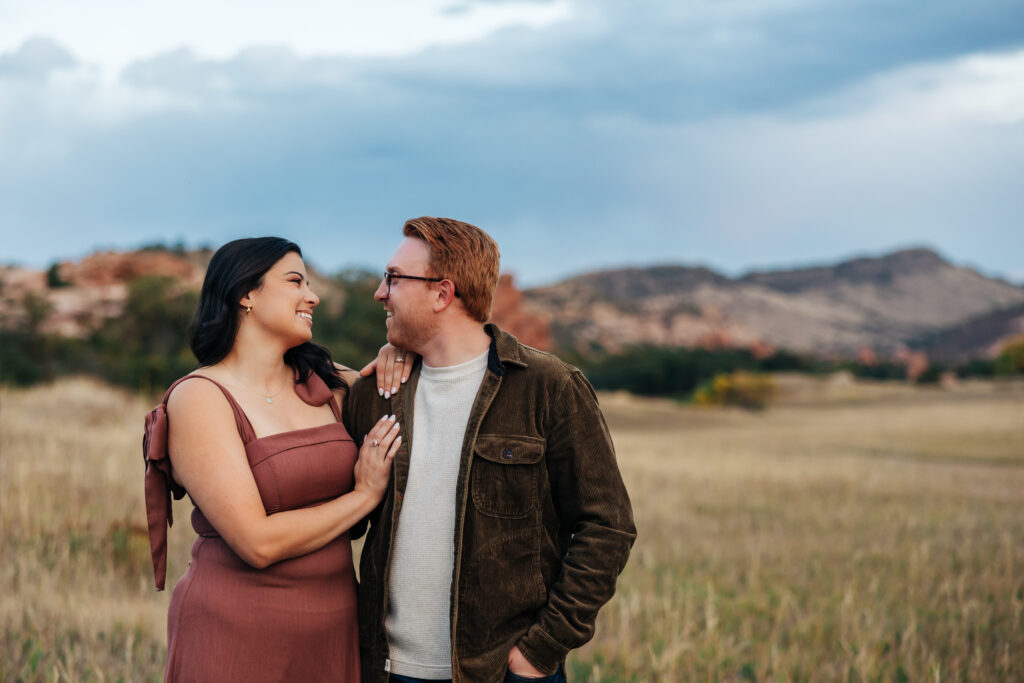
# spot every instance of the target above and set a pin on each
(445, 295)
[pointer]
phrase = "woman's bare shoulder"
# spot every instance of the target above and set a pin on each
(197, 396)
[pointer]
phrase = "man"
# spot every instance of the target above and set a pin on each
(506, 522)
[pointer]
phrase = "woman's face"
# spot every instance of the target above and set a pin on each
(283, 305)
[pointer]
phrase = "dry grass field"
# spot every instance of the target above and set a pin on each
(850, 532)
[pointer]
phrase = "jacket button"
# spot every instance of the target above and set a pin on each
(507, 454)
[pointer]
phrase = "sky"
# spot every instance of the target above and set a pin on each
(581, 134)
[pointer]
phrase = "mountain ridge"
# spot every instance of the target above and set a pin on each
(881, 303)
(910, 298)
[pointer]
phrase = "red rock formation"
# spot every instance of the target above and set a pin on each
(531, 328)
(95, 289)
(114, 268)
(715, 340)
(916, 362)
(867, 356)
(762, 350)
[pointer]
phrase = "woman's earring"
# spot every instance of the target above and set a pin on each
(248, 310)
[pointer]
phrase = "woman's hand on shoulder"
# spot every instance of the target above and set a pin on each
(393, 366)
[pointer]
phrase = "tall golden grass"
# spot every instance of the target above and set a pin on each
(850, 532)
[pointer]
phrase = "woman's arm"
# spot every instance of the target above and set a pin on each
(208, 459)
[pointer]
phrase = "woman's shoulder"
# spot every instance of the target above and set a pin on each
(195, 393)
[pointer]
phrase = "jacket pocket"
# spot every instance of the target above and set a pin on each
(505, 474)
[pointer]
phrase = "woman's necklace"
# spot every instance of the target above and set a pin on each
(268, 399)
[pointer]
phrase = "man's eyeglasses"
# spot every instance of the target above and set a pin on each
(391, 277)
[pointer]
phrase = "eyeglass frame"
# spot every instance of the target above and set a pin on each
(388, 277)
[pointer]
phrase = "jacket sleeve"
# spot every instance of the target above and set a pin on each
(355, 422)
(593, 507)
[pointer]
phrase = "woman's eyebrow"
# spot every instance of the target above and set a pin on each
(295, 272)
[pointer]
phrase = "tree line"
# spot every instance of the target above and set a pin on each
(146, 348)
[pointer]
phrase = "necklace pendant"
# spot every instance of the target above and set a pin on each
(269, 399)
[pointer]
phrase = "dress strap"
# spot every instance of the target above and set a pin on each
(245, 429)
(334, 408)
(160, 484)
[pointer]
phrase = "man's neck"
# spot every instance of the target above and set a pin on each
(456, 344)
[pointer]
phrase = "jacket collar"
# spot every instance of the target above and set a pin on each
(504, 350)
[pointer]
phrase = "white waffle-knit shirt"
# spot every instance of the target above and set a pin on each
(423, 551)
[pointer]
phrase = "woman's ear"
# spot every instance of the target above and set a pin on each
(247, 301)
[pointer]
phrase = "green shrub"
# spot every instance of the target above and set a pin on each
(1011, 359)
(744, 389)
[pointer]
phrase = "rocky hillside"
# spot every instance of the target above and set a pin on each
(866, 305)
(78, 296)
(981, 336)
(73, 299)
(875, 303)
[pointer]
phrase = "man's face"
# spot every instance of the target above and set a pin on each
(411, 321)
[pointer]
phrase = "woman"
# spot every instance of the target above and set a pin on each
(254, 436)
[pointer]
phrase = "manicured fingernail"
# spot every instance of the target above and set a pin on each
(387, 394)
(392, 418)
(394, 390)
(403, 379)
(380, 392)
(396, 426)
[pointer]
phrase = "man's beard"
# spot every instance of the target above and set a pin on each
(414, 334)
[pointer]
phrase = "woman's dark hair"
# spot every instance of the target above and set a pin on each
(236, 269)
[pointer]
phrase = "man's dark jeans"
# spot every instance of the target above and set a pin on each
(557, 677)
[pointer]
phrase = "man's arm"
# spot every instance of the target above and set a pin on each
(592, 503)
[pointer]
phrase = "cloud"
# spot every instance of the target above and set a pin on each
(734, 133)
(34, 60)
(977, 89)
(221, 29)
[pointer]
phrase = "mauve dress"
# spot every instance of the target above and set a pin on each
(292, 621)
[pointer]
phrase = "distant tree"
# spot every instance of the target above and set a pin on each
(354, 336)
(146, 347)
(976, 367)
(37, 308)
(177, 248)
(660, 371)
(53, 278)
(881, 370)
(26, 353)
(932, 374)
(1011, 359)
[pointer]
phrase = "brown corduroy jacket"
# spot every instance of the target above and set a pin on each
(543, 523)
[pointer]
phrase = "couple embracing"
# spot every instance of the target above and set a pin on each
(479, 470)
